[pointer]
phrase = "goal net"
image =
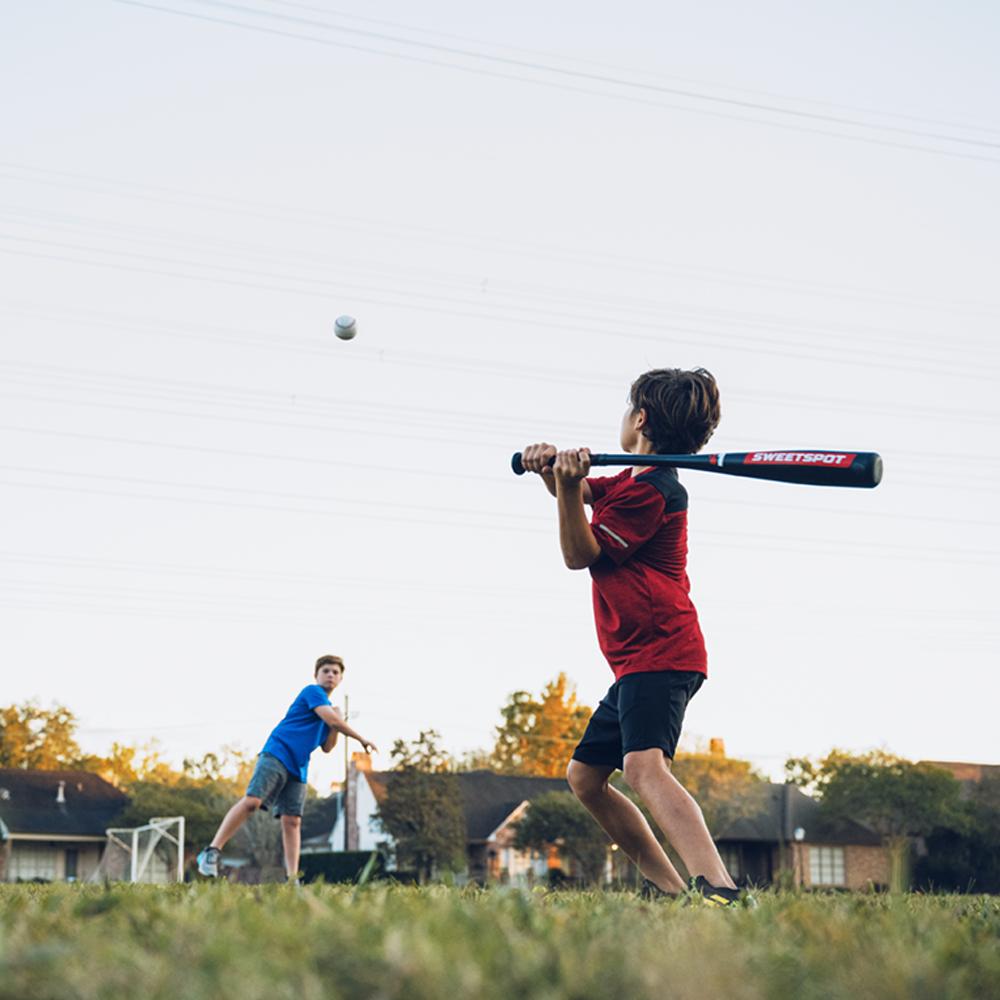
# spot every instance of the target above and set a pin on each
(151, 853)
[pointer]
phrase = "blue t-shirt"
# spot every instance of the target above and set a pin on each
(299, 733)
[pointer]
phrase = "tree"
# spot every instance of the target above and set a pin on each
(38, 738)
(966, 857)
(558, 818)
(537, 735)
(725, 787)
(422, 809)
(202, 806)
(896, 798)
(125, 765)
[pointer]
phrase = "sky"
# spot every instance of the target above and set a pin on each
(525, 206)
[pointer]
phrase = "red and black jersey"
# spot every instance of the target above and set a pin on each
(643, 612)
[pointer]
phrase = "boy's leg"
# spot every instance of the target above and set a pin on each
(623, 822)
(651, 711)
(289, 807)
(238, 814)
(269, 777)
(597, 756)
(676, 813)
(291, 840)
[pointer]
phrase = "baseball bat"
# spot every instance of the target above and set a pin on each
(862, 469)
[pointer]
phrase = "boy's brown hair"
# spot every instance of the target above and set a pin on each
(328, 658)
(682, 408)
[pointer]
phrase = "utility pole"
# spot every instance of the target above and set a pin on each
(347, 784)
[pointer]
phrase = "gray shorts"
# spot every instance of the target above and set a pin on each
(275, 786)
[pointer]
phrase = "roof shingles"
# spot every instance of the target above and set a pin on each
(29, 803)
(487, 798)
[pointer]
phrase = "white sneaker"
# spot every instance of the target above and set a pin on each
(208, 862)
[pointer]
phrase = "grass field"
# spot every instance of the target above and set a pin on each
(225, 941)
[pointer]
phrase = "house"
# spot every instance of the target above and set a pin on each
(786, 831)
(783, 831)
(491, 806)
(53, 823)
(966, 859)
(320, 820)
(965, 772)
(345, 821)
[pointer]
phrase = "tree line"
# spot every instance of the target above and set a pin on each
(940, 834)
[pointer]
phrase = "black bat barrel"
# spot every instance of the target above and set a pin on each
(808, 466)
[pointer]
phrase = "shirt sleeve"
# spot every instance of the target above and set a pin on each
(314, 696)
(630, 519)
(600, 485)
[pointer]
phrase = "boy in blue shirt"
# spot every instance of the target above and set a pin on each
(279, 778)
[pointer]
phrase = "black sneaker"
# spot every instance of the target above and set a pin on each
(650, 890)
(715, 895)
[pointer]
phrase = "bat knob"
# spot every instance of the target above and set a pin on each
(515, 464)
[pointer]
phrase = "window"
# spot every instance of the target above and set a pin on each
(29, 861)
(826, 866)
(730, 854)
(72, 861)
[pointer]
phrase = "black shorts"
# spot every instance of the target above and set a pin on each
(639, 712)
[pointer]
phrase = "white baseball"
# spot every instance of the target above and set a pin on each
(345, 327)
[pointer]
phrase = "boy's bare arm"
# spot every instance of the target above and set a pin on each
(579, 546)
(331, 735)
(537, 458)
(332, 718)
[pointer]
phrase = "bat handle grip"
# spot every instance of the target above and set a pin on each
(518, 466)
(519, 470)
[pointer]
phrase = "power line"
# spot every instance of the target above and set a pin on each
(515, 295)
(365, 502)
(62, 561)
(732, 539)
(590, 77)
(454, 361)
(347, 15)
(272, 507)
(451, 307)
(117, 188)
(247, 604)
(334, 581)
(494, 481)
(594, 77)
(476, 434)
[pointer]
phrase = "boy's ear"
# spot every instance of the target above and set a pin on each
(640, 418)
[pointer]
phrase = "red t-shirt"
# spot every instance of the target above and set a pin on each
(644, 616)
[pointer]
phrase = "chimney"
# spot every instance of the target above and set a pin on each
(352, 834)
(61, 793)
(717, 746)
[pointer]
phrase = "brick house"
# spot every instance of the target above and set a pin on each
(52, 823)
(787, 832)
(965, 772)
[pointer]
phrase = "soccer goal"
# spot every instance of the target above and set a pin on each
(151, 853)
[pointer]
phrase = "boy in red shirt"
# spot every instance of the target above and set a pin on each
(635, 546)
